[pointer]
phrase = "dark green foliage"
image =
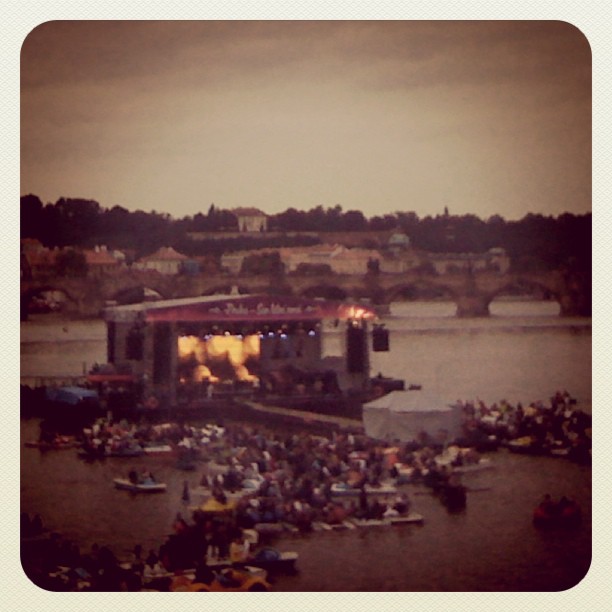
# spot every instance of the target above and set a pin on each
(266, 263)
(535, 242)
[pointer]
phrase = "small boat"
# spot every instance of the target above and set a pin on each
(343, 489)
(341, 526)
(410, 518)
(559, 452)
(562, 514)
(483, 464)
(407, 519)
(370, 522)
(458, 460)
(247, 578)
(139, 487)
(130, 451)
(273, 560)
(525, 445)
(159, 449)
(233, 495)
(214, 506)
(407, 474)
(268, 528)
(59, 443)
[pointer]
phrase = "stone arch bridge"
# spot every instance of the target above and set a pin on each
(472, 293)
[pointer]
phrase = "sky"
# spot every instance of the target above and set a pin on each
(480, 117)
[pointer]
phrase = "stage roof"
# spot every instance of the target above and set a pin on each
(251, 308)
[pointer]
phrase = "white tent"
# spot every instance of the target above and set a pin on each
(405, 415)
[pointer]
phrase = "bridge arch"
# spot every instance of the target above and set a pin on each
(136, 294)
(527, 286)
(325, 291)
(418, 289)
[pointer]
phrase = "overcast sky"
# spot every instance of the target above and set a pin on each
(378, 116)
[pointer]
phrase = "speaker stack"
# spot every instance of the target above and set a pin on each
(355, 349)
(380, 339)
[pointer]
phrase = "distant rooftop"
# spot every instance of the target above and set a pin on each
(164, 254)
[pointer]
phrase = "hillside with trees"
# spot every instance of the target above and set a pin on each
(535, 242)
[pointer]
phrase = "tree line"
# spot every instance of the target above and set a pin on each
(535, 242)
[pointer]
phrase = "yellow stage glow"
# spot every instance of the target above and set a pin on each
(234, 349)
(187, 346)
(202, 373)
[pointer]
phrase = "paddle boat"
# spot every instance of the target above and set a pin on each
(248, 486)
(565, 513)
(408, 519)
(273, 560)
(125, 484)
(462, 460)
(57, 443)
(231, 579)
(342, 489)
(157, 449)
(483, 463)
(525, 445)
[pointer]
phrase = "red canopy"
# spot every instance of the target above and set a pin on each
(258, 308)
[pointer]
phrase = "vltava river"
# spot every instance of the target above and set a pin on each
(524, 351)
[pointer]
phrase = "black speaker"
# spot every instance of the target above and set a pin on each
(134, 344)
(380, 339)
(162, 353)
(355, 350)
(111, 330)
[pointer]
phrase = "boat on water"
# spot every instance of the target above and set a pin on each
(59, 443)
(157, 449)
(268, 529)
(462, 460)
(408, 519)
(249, 486)
(412, 518)
(525, 445)
(484, 463)
(125, 484)
(214, 506)
(565, 513)
(273, 560)
(341, 489)
(247, 578)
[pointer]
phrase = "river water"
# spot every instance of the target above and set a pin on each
(524, 351)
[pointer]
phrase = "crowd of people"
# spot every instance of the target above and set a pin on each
(258, 476)
(556, 426)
